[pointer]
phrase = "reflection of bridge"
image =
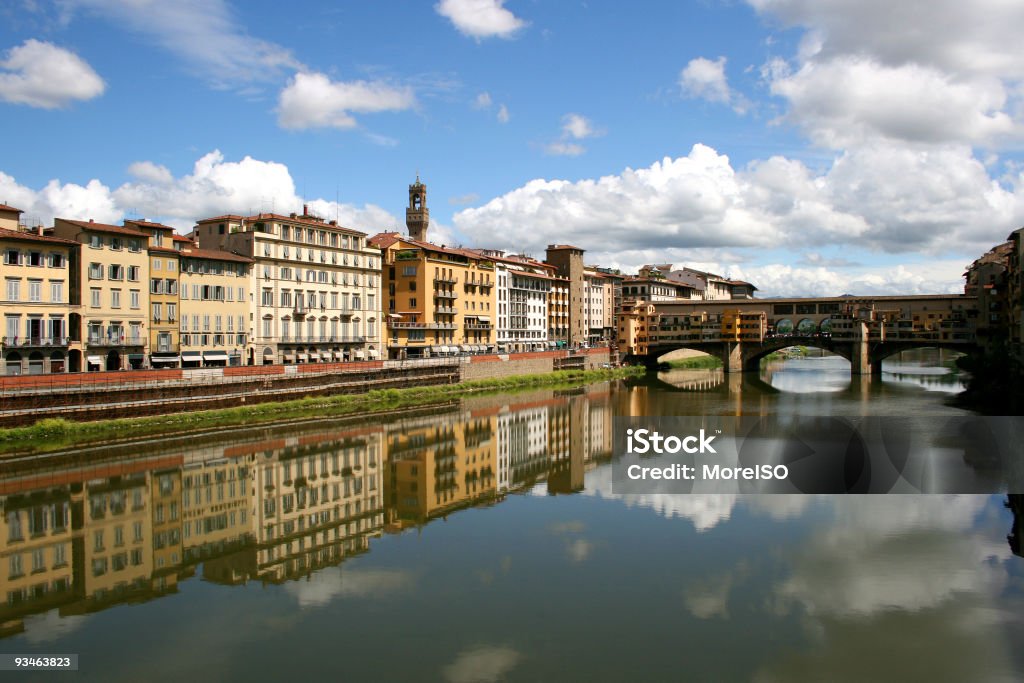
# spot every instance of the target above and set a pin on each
(742, 332)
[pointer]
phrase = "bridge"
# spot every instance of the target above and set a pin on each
(743, 331)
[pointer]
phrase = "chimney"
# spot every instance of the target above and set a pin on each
(90, 220)
(305, 210)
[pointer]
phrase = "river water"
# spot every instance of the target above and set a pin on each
(483, 542)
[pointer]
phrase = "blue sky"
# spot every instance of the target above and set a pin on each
(813, 147)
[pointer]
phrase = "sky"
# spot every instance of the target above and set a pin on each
(812, 147)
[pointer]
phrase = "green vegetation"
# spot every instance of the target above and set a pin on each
(51, 434)
(695, 362)
(788, 352)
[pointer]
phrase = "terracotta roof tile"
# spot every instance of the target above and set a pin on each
(32, 237)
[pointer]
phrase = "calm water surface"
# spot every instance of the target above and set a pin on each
(484, 543)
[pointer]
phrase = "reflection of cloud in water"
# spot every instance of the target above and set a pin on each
(333, 582)
(43, 628)
(779, 506)
(579, 550)
(709, 598)
(481, 664)
(704, 511)
(894, 553)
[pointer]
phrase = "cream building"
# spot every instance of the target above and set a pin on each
(110, 277)
(315, 286)
(214, 296)
(38, 335)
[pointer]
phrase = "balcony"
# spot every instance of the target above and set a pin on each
(442, 280)
(316, 339)
(446, 295)
(30, 342)
(478, 326)
(117, 341)
(444, 310)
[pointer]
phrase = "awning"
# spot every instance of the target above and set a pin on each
(483, 318)
(358, 354)
(215, 355)
(464, 348)
(95, 360)
(136, 356)
(373, 353)
(289, 357)
(394, 315)
(303, 356)
(314, 356)
(191, 357)
(443, 349)
(164, 359)
(336, 355)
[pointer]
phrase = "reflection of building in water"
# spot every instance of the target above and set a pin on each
(165, 494)
(522, 445)
(1015, 502)
(438, 464)
(35, 556)
(319, 500)
(215, 499)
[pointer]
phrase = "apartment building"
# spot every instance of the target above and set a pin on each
(315, 285)
(522, 300)
(568, 262)
(163, 292)
(214, 295)
(599, 307)
(440, 301)
(558, 312)
(38, 336)
(109, 275)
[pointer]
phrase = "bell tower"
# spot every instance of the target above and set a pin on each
(417, 215)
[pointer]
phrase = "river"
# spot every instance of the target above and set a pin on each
(484, 542)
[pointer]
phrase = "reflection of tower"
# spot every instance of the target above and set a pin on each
(417, 215)
(1015, 501)
(566, 474)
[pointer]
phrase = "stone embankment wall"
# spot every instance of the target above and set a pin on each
(101, 395)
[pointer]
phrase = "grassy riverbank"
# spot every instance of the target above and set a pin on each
(695, 362)
(51, 434)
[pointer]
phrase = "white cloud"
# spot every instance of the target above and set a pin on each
(203, 33)
(150, 172)
(578, 127)
(503, 115)
(480, 18)
(850, 100)
(214, 187)
(482, 101)
(46, 76)
(706, 79)
(482, 664)
(564, 149)
(312, 100)
(881, 197)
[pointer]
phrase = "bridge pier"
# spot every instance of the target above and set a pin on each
(732, 357)
(861, 362)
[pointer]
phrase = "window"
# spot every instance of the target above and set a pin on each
(95, 242)
(115, 243)
(94, 297)
(158, 311)
(408, 271)
(134, 245)
(36, 259)
(172, 312)
(35, 290)
(156, 286)
(133, 273)
(56, 292)
(115, 272)
(134, 298)
(171, 266)
(11, 257)
(115, 298)
(268, 298)
(13, 289)
(95, 271)
(218, 324)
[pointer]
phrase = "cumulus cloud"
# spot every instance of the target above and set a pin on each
(878, 197)
(480, 18)
(482, 664)
(564, 149)
(482, 101)
(706, 79)
(203, 33)
(861, 76)
(215, 186)
(43, 75)
(503, 115)
(850, 100)
(578, 127)
(312, 100)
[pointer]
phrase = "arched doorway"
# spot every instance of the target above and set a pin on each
(57, 362)
(75, 361)
(35, 363)
(113, 360)
(13, 364)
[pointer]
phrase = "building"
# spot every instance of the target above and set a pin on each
(568, 262)
(988, 279)
(38, 333)
(522, 300)
(315, 286)
(109, 275)
(1015, 291)
(638, 324)
(599, 307)
(163, 292)
(440, 300)
(700, 284)
(215, 289)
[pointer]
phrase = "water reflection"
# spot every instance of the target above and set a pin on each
(359, 539)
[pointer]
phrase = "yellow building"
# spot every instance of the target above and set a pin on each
(110, 277)
(439, 300)
(214, 295)
(38, 335)
(163, 292)
(638, 325)
(215, 501)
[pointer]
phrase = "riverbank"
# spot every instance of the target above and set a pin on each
(50, 434)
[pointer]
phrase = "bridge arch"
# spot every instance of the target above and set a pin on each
(806, 327)
(784, 326)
